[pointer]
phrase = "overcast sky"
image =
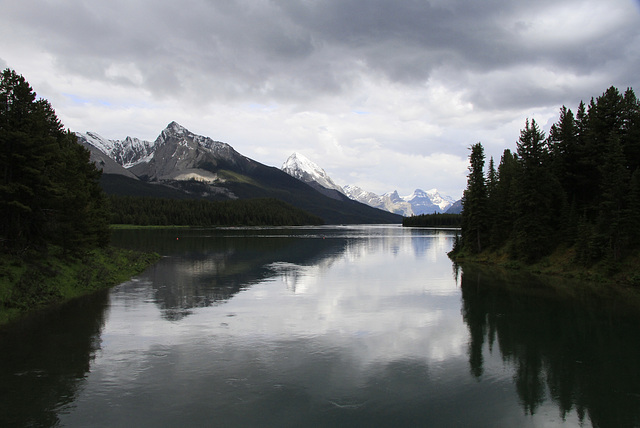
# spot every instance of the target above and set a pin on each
(383, 94)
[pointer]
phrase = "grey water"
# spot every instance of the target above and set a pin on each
(348, 326)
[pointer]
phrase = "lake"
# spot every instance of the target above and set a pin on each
(344, 326)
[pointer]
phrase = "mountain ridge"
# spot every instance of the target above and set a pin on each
(419, 202)
(180, 163)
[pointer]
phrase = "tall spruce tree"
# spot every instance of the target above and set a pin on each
(49, 192)
(502, 199)
(538, 195)
(474, 211)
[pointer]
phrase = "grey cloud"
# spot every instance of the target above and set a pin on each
(293, 51)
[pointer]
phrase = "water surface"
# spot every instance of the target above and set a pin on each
(329, 326)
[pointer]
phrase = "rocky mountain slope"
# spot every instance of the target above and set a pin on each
(180, 163)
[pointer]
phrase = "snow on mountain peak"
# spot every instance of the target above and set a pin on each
(176, 128)
(302, 168)
(127, 152)
(426, 202)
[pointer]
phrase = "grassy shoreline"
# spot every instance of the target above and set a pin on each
(28, 284)
(560, 263)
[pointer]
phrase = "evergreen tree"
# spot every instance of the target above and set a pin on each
(614, 218)
(492, 178)
(49, 192)
(631, 129)
(563, 146)
(474, 212)
(579, 187)
(537, 195)
(502, 199)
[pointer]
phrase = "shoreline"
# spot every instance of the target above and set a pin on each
(560, 264)
(32, 284)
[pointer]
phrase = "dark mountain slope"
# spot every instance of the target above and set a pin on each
(185, 165)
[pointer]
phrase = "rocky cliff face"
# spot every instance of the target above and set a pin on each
(182, 155)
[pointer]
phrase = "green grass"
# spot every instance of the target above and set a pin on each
(33, 282)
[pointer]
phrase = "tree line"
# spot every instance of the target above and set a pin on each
(433, 220)
(49, 191)
(579, 186)
(198, 212)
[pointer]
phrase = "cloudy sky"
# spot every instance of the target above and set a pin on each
(384, 94)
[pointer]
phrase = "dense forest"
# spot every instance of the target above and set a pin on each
(194, 212)
(433, 220)
(578, 187)
(49, 191)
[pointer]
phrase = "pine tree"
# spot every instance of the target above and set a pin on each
(474, 212)
(49, 192)
(503, 198)
(631, 129)
(614, 216)
(538, 195)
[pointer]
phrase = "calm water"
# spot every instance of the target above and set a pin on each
(333, 326)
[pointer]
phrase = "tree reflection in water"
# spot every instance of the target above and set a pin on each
(566, 344)
(46, 357)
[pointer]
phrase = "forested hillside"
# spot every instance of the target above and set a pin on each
(433, 220)
(578, 187)
(200, 212)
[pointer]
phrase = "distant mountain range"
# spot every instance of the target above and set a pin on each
(419, 202)
(180, 164)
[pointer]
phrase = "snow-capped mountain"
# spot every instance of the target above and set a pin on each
(180, 164)
(302, 168)
(391, 202)
(428, 202)
(419, 202)
(177, 154)
(127, 152)
(307, 171)
(182, 155)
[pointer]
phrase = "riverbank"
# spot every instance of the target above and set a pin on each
(29, 283)
(561, 263)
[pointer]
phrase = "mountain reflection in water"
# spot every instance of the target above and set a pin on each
(327, 326)
(205, 267)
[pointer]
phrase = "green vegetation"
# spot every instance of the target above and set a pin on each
(199, 212)
(38, 280)
(54, 233)
(49, 191)
(571, 196)
(433, 220)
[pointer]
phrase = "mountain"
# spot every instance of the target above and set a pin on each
(126, 153)
(428, 202)
(303, 169)
(103, 161)
(420, 202)
(391, 202)
(456, 208)
(182, 164)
